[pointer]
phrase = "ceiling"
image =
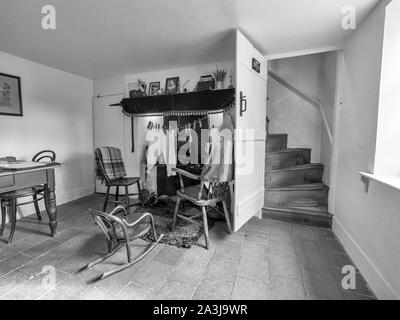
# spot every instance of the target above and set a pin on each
(100, 38)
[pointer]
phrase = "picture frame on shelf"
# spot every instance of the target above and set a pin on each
(171, 85)
(137, 89)
(154, 88)
(10, 95)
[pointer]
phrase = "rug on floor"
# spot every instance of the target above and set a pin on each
(186, 233)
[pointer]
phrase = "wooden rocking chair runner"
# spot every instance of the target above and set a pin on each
(120, 232)
(123, 182)
(202, 197)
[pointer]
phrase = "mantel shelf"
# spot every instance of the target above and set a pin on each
(197, 102)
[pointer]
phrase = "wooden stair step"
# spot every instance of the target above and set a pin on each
(276, 142)
(314, 216)
(301, 174)
(287, 158)
(316, 192)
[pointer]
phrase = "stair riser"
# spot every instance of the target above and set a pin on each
(281, 179)
(320, 196)
(276, 143)
(287, 159)
(301, 218)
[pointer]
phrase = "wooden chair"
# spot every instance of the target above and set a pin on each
(9, 200)
(124, 182)
(202, 197)
(120, 232)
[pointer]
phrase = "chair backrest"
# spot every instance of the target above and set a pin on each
(106, 222)
(110, 164)
(49, 155)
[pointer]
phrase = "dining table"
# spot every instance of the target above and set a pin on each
(18, 175)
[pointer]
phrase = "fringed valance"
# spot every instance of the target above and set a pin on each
(180, 104)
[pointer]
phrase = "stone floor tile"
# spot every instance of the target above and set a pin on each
(211, 289)
(8, 250)
(321, 286)
(154, 275)
(303, 231)
(351, 295)
(42, 283)
(169, 255)
(222, 270)
(256, 237)
(327, 244)
(280, 248)
(13, 262)
(198, 255)
(188, 272)
(286, 289)
(310, 256)
(12, 280)
(55, 294)
(249, 289)
(284, 266)
(280, 232)
(266, 259)
(172, 290)
(42, 248)
(254, 252)
(136, 291)
(254, 270)
(228, 251)
(13, 295)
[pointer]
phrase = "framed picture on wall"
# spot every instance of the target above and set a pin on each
(154, 88)
(10, 95)
(171, 85)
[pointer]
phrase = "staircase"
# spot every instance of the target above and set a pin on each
(293, 186)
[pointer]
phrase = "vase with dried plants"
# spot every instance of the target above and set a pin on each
(219, 76)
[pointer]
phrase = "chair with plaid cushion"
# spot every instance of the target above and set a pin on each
(111, 169)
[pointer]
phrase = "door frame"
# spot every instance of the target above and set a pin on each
(336, 120)
(337, 107)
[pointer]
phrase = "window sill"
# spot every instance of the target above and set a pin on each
(390, 181)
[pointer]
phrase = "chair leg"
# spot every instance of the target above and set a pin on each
(128, 252)
(3, 217)
(35, 202)
(116, 196)
(127, 204)
(13, 217)
(228, 220)
(178, 200)
(106, 199)
(205, 225)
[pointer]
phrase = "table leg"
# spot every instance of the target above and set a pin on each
(50, 202)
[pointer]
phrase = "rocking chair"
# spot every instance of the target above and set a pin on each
(202, 197)
(121, 232)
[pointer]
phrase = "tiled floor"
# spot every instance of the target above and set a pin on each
(266, 259)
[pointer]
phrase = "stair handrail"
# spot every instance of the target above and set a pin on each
(305, 97)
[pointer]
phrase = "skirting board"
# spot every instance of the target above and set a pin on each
(377, 282)
(61, 199)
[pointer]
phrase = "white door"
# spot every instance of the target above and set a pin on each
(108, 127)
(250, 136)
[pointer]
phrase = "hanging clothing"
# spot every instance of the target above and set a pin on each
(161, 149)
(219, 164)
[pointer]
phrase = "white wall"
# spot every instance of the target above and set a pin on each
(367, 221)
(58, 116)
(315, 75)
(387, 158)
(115, 128)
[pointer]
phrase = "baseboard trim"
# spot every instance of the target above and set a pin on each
(380, 286)
(74, 195)
(60, 198)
